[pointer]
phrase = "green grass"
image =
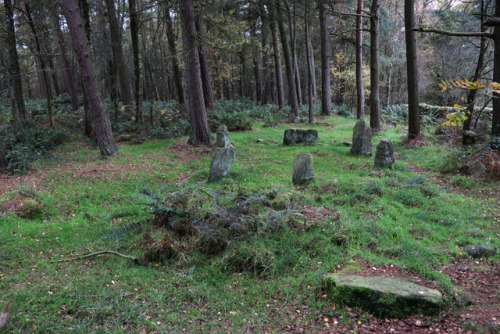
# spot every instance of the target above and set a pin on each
(394, 216)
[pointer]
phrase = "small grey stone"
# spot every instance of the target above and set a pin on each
(384, 156)
(480, 251)
(223, 139)
(221, 163)
(361, 139)
(303, 169)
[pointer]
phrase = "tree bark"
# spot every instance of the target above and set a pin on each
(200, 132)
(119, 58)
(43, 62)
(360, 110)
(208, 95)
(292, 90)
(471, 94)
(256, 70)
(134, 31)
(173, 55)
(266, 78)
(412, 71)
(14, 69)
(293, 39)
(374, 67)
(326, 99)
(310, 70)
(495, 120)
(277, 62)
(100, 118)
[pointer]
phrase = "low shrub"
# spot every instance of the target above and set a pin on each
(22, 145)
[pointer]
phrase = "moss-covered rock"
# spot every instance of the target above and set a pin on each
(383, 296)
(282, 201)
(30, 209)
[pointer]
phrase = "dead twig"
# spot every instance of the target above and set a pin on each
(133, 258)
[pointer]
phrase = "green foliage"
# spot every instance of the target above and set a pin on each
(395, 114)
(234, 114)
(26, 144)
(343, 110)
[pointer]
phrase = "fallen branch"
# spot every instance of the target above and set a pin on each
(452, 33)
(133, 258)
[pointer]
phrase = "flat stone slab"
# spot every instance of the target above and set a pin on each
(480, 251)
(295, 136)
(383, 296)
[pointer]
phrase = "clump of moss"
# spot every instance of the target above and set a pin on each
(30, 209)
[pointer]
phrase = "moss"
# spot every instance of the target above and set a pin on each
(282, 201)
(384, 297)
(30, 209)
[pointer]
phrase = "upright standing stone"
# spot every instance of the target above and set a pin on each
(384, 157)
(303, 170)
(361, 139)
(221, 163)
(223, 139)
(223, 157)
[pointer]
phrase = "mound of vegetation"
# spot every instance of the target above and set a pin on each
(245, 228)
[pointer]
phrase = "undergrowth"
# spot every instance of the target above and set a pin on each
(250, 251)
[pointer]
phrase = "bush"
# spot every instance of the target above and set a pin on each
(395, 114)
(22, 145)
(343, 110)
(236, 115)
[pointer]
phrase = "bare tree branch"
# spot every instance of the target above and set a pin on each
(453, 33)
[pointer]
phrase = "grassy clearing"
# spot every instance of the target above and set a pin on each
(402, 217)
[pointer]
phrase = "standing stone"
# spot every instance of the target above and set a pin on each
(221, 162)
(384, 156)
(223, 139)
(295, 136)
(361, 139)
(303, 170)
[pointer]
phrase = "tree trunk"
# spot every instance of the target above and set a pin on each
(208, 95)
(412, 71)
(266, 78)
(200, 132)
(310, 70)
(374, 67)
(293, 39)
(326, 99)
(43, 62)
(53, 74)
(360, 110)
(277, 62)
(119, 58)
(292, 90)
(471, 94)
(173, 54)
(134, 31)
(495, 120)
(256, 71)
(14, 69)
(100, 118)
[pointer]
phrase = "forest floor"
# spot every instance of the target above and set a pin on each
(411, 222)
